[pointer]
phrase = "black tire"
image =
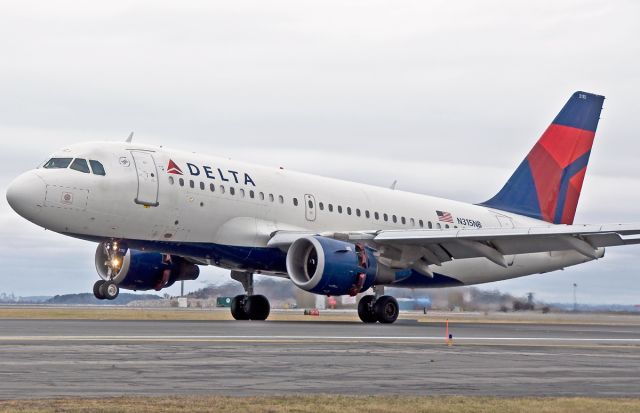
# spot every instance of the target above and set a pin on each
(258, 308)
(96, 289)
(238, 307)
(386, 309)
(365, 309)
(109, 290)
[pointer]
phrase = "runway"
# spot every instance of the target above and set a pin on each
(44, 358)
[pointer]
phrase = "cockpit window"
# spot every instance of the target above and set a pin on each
(97, 168)
(80, 164)
(57, 163)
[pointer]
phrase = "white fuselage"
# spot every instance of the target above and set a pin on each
(234, 208)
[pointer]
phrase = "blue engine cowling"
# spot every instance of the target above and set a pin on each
(323, 265)
(146, 270)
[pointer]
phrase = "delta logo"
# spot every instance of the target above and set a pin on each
(212, 173)
(172, 168)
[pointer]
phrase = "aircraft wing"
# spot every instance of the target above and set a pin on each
(435, 246)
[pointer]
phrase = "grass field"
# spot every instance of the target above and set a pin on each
(324, 404)
(133, 313)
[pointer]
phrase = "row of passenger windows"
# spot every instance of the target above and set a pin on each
(377, 216)
(77, 164)
(329, 207)
(232, 190)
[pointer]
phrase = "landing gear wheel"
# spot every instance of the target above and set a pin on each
(365, 309)
(96, 289)
(257, 306)
(386, 309)
(238, 307)
(109, 290)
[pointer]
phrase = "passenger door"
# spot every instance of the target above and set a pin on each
(310, 207)
(147, 178)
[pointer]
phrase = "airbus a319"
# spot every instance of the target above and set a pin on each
(158, 214)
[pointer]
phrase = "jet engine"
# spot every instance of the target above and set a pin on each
(139, 270)
(323, 265)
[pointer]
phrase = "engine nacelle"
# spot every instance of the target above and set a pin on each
(323, 265)
(141, 270)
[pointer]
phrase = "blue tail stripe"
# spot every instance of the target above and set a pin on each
(568, 173)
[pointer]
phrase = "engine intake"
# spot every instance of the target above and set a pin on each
(141, 270)
(323, 265)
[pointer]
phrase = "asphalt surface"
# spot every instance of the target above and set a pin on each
(44, 358)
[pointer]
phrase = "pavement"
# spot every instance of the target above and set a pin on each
(47, 358)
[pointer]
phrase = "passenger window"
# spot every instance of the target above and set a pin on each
(366, 213)
(295, 201)
(321, 205)
(261, 194)
(446, 226)
(97, 168)
(271, 197)
(394, 219)
(81, 165)
(421, 223)
(281, 199)
(438, 226)
(57, 163)
(252, 194)
(232, 190)
(191, 183)
(171, 180)
(222, 189)
(413, 222)
(348, 210)
(310, 204)
(339, 209)
(404, 221)
(241, 193)
(330, 207)
(212, 187)
(386, 217)
(202, 186)
(430, 225)
(357, 212)
(376, 215)
(181, 181)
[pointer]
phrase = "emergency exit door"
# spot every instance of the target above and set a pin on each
(147, 178)
(310, 207)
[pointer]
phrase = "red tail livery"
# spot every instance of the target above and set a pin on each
(547, 183)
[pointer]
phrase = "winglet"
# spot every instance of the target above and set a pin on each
(129, 138)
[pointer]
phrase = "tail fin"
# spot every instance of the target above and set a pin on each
(547, 183)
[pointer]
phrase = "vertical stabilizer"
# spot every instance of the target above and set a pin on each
(547, 183)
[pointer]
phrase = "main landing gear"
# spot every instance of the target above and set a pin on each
(378, 307)
(248, 306)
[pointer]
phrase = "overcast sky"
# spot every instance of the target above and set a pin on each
(447, 97)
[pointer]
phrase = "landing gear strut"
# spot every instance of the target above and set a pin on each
(114, 255)
(378, 307)
(248, 306)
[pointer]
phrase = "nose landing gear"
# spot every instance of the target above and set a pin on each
(107, 289)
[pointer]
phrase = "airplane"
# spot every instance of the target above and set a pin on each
(158, 214)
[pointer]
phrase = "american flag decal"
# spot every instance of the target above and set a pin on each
(445, 216)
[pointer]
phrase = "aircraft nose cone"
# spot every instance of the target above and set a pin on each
(26, 193)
